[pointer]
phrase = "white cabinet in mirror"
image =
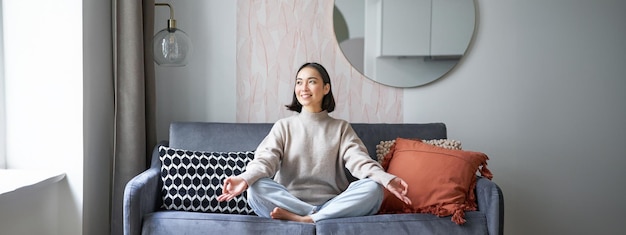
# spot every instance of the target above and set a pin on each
(404, 43)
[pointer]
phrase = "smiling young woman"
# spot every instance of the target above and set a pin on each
(310, 89)
(312, 76)
(298, 171)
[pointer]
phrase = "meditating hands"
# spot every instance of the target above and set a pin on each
(399, 188)
(233, 186)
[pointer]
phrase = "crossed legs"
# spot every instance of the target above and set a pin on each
(271, 200)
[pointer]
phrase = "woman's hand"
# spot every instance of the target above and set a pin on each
(399, 188)
(233, 186)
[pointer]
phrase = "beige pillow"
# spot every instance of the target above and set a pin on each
(383, 147)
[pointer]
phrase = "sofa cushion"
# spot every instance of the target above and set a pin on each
(192, 180)
(441, 181)
(403, 224)
(383, 147)
(179, 222)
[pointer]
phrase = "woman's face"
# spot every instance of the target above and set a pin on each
(310, 89)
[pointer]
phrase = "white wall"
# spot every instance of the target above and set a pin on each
(2, 109)
(191, 93)
(44, 104)
(540, 91)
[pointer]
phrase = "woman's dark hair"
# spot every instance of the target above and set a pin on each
(328, 102)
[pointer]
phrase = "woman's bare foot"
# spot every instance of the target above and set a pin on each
(282, 214)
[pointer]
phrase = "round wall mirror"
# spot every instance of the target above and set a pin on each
(404, 43)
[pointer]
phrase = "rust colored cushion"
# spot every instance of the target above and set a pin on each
(441, 181)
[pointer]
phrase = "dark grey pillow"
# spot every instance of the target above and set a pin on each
(192, 180)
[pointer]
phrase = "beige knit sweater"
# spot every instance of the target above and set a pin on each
(307, 154)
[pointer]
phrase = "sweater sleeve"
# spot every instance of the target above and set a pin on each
(358, 161)
(267, 156)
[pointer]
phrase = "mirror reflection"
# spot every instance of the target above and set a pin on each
(404, 43)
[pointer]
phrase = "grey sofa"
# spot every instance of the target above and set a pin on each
(142, 196)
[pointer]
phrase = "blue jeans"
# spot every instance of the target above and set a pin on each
(362, 197)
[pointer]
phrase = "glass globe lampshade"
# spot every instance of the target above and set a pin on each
(171, 47)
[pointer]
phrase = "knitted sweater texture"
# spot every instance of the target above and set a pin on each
(308, 154)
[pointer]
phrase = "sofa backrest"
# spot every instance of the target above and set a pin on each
(217, 137)
(371, 134)
(226, 137)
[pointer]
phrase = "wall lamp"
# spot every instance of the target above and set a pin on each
(171, 46)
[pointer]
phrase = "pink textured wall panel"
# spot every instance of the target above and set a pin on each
(274, 38)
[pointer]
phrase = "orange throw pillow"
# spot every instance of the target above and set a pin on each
(441, 181)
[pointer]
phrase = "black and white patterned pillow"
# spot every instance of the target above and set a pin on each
(192, 180)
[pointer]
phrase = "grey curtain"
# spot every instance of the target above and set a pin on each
(135, 125)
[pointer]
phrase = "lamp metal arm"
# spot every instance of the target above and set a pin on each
(171, 22)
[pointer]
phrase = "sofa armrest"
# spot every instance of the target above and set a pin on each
(491, 202)
(140, 198)
(142, 195)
